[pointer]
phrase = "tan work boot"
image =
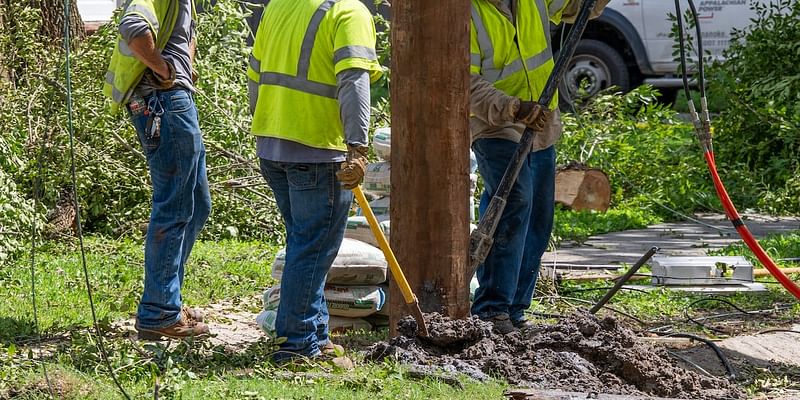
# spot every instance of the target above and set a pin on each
(335, 353)
(185, 328)
(193, 313)
(331, 349)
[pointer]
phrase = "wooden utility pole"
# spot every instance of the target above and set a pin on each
(430, 153)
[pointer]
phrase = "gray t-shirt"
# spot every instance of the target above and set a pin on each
(176, 52)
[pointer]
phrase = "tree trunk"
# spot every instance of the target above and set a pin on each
(430, 154)
(581, 188)
(53, 20)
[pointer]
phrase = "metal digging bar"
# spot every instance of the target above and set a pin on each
(635, 268)
(482, 238)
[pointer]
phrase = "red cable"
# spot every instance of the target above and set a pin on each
(745, 233)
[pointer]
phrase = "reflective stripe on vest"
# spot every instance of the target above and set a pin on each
(486, 61)
(301, 82)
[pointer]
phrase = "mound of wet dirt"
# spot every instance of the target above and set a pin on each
(580, 353)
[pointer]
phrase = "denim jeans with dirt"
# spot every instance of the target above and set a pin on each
(314, 207)
(508, 276)
(176, 158)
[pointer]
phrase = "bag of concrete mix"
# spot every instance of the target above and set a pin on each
(266, 321)
(358, 229)
(382, 143)
(343, 301)
(377, 178)
(356, 264)
(342, 324)
(380, 208)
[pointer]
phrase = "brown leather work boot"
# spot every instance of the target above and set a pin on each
(331, 349)
(185, 328)
(193, 313)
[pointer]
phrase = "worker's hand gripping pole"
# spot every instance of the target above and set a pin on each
(394, 266)
(482, 238)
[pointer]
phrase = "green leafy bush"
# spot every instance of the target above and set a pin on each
(758, 133)
(648, 153)
(113, 182)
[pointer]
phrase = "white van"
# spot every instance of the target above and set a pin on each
(629, 43)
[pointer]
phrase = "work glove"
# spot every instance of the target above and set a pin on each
(163, 83)
(351, 173)
(195, 76)
(533, 115)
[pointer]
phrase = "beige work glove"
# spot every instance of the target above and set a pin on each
(351, 172)
(533, 115)
(163, 83)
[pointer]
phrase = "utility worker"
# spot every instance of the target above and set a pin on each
(511, 59)
(309, 77)
(151, 75)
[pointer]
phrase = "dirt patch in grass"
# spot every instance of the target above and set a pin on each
(580, 353)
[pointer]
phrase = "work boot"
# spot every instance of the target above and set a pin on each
(331, 349)
(501, 324)
(185, 328)
(522, 324)
(193, 313)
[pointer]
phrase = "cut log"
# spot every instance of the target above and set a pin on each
(582, 188)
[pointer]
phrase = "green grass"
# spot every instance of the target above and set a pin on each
(578, 226)
(236, 273)
(230, 271)
(226, 270)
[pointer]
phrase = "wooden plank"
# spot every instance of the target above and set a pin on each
(430, 153)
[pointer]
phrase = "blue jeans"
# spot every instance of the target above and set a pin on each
(176, 158)
(508, 276)
(314, 208)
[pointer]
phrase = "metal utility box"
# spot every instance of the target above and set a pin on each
(701, 270)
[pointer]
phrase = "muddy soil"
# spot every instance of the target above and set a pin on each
(581, 353)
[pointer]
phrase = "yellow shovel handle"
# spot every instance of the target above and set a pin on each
(394, 266)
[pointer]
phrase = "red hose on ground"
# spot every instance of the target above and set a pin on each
(745, 233)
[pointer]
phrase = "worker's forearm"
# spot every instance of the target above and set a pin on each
(143, 48)
(490, 104)
(354, 105)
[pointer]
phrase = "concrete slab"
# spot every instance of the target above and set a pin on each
(767, 349)
(679, 238)
(546, 394)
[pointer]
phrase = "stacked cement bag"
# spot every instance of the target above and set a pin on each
(352, 288)
(377, 181)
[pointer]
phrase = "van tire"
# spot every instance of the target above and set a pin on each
(598, 64)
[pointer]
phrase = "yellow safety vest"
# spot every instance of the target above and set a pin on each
(300, 47)
(125, 70)
(515, 58)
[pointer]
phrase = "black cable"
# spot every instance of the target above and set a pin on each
(701, 77)
(777, 330)
(607, 307)
(690, 362)
(728, 367)
(682, 44)
(71, 129)
(570, 291)
(37, 188)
